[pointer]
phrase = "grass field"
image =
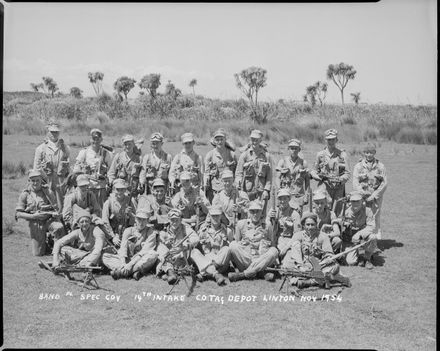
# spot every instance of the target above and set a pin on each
(392, 307)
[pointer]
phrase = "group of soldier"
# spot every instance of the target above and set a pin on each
(227, 216)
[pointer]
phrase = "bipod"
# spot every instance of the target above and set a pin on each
(181, 275)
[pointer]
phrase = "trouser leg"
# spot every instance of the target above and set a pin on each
(204, 264)
(221, 259)
(38, 238)
(75, 255)
(239, 256)
(261, 262)
(363, 235)
(336, 243)
(112, 261)
(146, 262)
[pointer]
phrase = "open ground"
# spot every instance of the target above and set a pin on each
(392, 307)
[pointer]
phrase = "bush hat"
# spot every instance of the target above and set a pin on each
(174, 213)
(256, 134)
(33, 173)
(53, 127)
(309, 215)
(227, 173)
(82, 180)
(158, 182)
(294, 142)
(283, 192)
(95, 131)
(355, 196)
(156, 137)
(187, 138)
(127, 137)
(331, 133)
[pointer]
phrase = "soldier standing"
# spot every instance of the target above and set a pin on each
(186, 160)
(217, 160)
(254, 170)
(293, 174)
(126, 165)
(327, 221)
(37, 205)
(331, 170)
(253, 248)
(369, 177)
(52, 159)
(156, 164)
(359, 227)
(95, 160)
(285, 221)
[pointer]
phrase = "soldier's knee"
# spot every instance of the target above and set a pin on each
(273, 252)
(351, 260)
(234, 246)
(336, 243)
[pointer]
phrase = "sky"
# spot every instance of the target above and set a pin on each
(391, 44)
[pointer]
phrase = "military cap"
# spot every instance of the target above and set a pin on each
(82, 179)
(96, 131)
(227, 173)
(319, 195)
(158, 182)
(174, 213)
(120, 184)
(34, 173)
(309, 215)
(215, 210)
(331, 133)
(220, 132)
(142, 213)
(283, 192)
(255, 205)
(156, 137)
(187, 138)
(127, 137)
(256, 134)
(294, 142)
(369, 147)
(79, 213)
(53, 127)
(185, 176)
(355, 196)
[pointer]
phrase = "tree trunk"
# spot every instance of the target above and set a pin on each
(342, 96)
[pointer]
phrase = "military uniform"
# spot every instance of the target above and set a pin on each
(54, 161)
(116, 215)
(216, 161)
(253, 249)
(155, 166)
(334, 166)
(191, 163)
(186, 202)
(370, 179)
(359, 227)
(31, 202)
(328, 217)
(254, 172)
(126, 167)
(96, 165)
(293, 175)
(225, 201)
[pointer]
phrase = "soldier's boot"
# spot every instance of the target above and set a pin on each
(361, 261)
(270, 277)
(220, 279)
(171, 277)
(137, 275)
(116, 274)
(305, 283)
(233, 277)
(369, 264)
(200, 278)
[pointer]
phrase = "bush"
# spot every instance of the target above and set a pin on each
(12, 170)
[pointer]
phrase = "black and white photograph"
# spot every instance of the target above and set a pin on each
(219, 175)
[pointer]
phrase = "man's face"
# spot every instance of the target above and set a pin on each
(283, 201)
(84, 224)
(35, 183)
(188, 146)
(255, 141)
(156, 145)
(356, 205)
(120, 193)
(96, 139)
(369, 155)
(53, 136)
(128, 147)
(331, 143)
(186, 184)
(141, 223)
(175, 222)
(228, 182)
(219, 141)
(215, 219)
(320, 205)
(294, 150)
(310, 225)
(159, 192)
(254, 215)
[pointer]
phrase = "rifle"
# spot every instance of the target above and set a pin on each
(274, 220)
(66, 269)
(234, 220)
(326, 261)
(310, 199)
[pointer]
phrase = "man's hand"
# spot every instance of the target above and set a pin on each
(126, 269)
(272, 213)
(55, 262)
(116, 240)
(265, 195)
(98, 221)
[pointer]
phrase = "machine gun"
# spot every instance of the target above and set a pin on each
(88, 281)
